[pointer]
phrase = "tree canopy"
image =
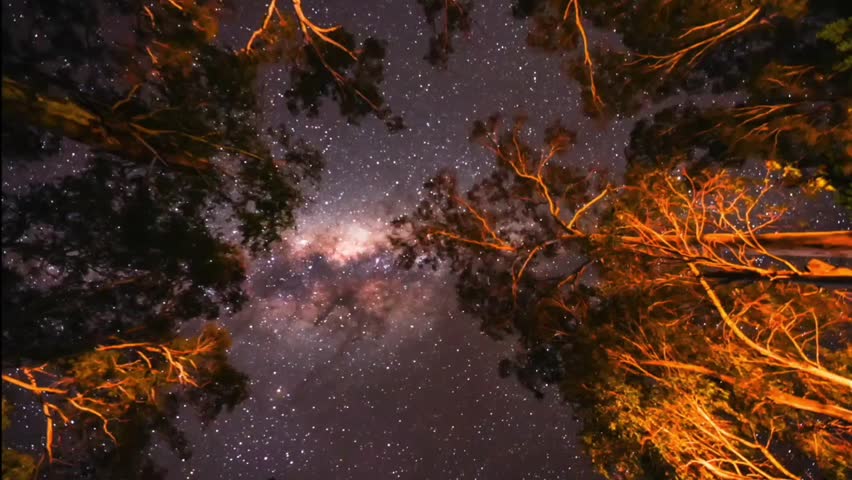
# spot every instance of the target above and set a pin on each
(169, 177)
(786, 62)
(693, 334)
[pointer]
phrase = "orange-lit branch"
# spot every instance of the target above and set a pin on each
(175, 4)
(696, 50)
(700, 433)
(773, 395)
(720, 228)
(76, 402)
(588, 205)
(763, 127)
(770, 349)
(773, 356)
(459, 238)
(706, 26)
(272, 10)
(309, 30)
(516, 277)
(132, 93)
(756, 112)
(519, 166)
(309, 27)
(587, 58)
(154, 59)
(517, 160)
(150, 15)
(164, 365)
(33, 388)
(789, 76)
(487, 230)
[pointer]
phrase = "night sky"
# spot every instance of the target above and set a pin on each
(363, 371)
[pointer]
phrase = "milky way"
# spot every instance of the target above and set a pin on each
(360, 370)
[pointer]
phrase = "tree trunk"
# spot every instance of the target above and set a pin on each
(833, 244)
(21, 103)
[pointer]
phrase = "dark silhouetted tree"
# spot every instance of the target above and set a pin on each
(164, 176)
(446, 18)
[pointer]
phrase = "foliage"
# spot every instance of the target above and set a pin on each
(164, 176)
(776, 56)
(121, 394)
(178, 159)
(840, 34)
(18, 466)
(661, 309)
(445, 18)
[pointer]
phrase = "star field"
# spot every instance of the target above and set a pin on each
(359, 371)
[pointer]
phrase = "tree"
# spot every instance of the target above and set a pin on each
(785, 59)
(121, 393)
(445, 18)
(176, 178)
(756, 373)
(761, 404)
(795, 106)
(678, 294)
(172, 126)
(324, 62)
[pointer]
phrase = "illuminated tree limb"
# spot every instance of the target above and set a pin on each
(774, 395)
(807, 368)
(312, 35)
(459, 238)
(309, 27)
(519, 166)
(33, 388)
(486, 227)
(271, 10)
(695, 51)
(137, 381)
(588, 205)
(587, 58)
